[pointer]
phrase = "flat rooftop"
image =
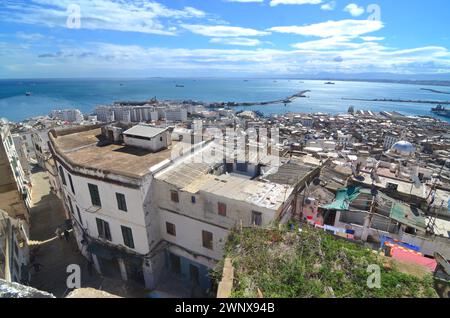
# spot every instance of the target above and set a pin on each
(88, 149)
(264, 194)
(290, 173)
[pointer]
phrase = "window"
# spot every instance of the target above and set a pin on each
(79, 216)
(175, 263)
(222, 207)
(71, 183)
(193, 199)
(103, 229)
(95, 196)
(70, 204)
(161, 138)
(61, 174)
(121, 203)
(195, 274)
(171, 229)
(127, 236)
(207, 238)
(256, 218)
(174, 196)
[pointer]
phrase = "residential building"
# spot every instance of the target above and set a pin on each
(15, 189)
(139, 211)
(40, 142)
(176, 114)
(14, 250)
(68, 115)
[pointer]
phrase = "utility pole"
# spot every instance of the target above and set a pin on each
(432, 222)
(369, 219)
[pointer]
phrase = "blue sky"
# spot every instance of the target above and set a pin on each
(293, 38)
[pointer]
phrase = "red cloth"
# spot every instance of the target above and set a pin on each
(408, 256)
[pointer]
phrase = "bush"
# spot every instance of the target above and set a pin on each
(311, 263)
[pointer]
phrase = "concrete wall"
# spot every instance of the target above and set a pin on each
(109, 211)
(154, 144)
(428, 246)
(189, 234)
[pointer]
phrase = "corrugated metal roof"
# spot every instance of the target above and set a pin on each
(145, 131)
(290, 174)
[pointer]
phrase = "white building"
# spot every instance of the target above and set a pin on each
(147, 137)
(27, 139)
(178, 114)
(127, 114)
(390, 140)
(106, 190)
(14, 251)
(69, 115)
(15, 190)
(325, 144)
(40, 142)
(141, 214)
(22, 152)
(344, 140)
(104, 114)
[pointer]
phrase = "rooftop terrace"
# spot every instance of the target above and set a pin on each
(88, 149)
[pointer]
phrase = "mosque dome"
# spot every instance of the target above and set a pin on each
(403, 148)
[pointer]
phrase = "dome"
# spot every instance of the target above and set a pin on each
(403, 148)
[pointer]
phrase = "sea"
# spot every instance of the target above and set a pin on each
(86, 94)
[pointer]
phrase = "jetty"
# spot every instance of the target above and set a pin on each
(399, 101)
(434, 91)
(287, 100)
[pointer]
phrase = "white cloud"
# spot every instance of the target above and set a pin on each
(236, 41)
(354, 9)
(30, 36)
(132, 16)
(342, 55)
(274, 3)
(244, 1)
(333, 28)
(372, 38)
(330, 6)
(222, 30)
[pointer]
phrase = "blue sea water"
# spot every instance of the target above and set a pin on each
(86, 94)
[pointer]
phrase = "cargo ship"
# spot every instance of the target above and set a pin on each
(441, 111)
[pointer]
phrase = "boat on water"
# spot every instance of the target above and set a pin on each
(28, 93)
(330, 83)
(179, 85)
(441, 111)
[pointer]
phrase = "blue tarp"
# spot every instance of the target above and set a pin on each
(402, 244)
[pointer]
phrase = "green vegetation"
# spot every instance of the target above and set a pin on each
(311, 263)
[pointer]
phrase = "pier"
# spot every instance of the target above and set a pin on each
(399, 101)
(287, 100)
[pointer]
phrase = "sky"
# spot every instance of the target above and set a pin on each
(224, 38)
